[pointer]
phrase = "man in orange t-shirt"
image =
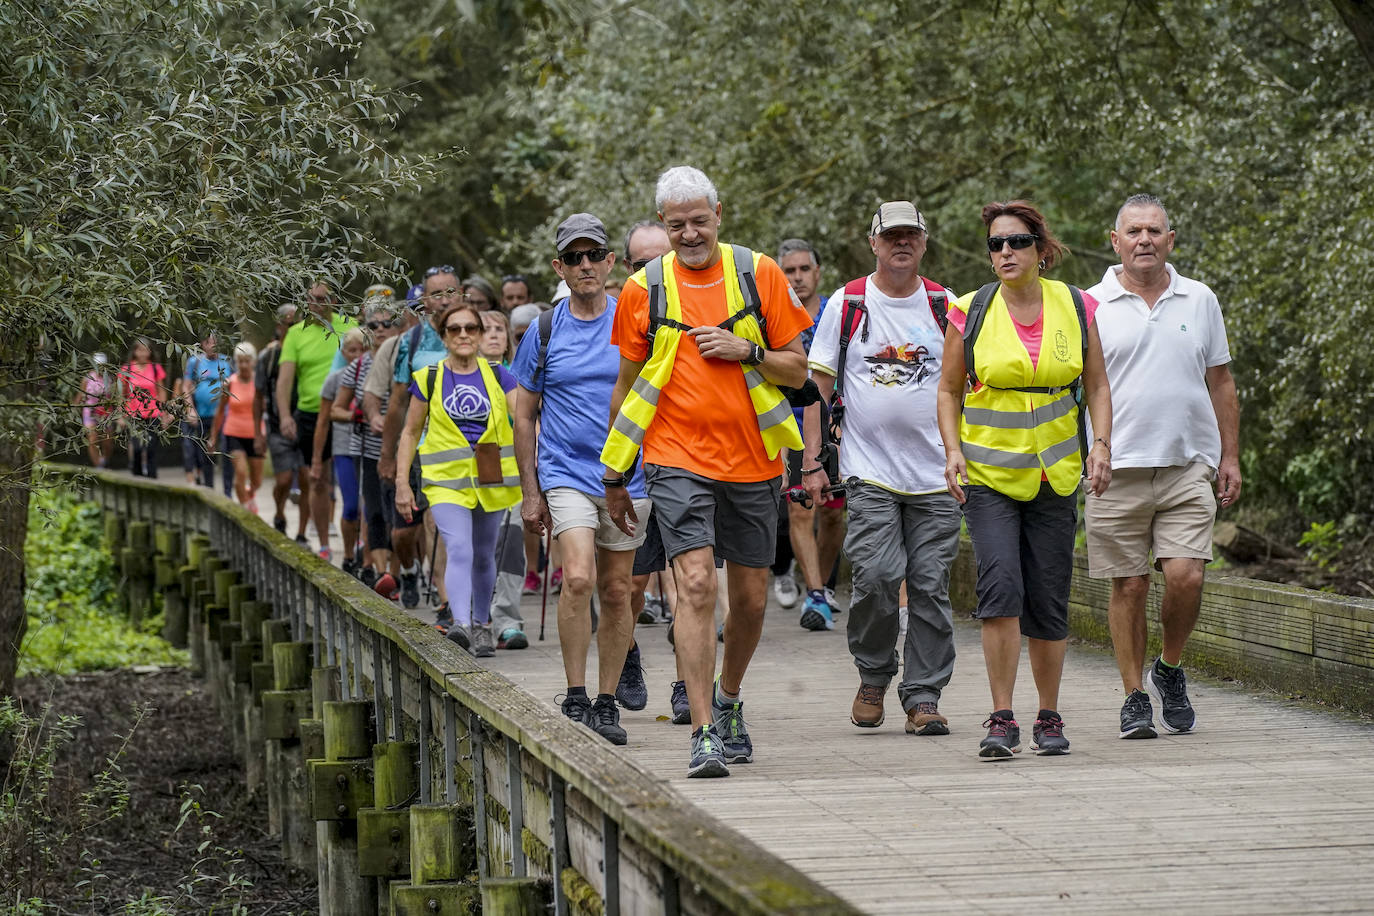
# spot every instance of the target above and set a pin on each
(714, 487)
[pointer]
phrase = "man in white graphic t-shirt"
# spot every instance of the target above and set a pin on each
(888, 329)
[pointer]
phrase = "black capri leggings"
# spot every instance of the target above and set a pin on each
(378, 534)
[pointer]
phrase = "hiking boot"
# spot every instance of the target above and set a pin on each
(579, 709)
(482, 644)
(728, 722)
(815, 614)
(410, 590)
(925, 719)
(1137, 716)
(708, 759)
(1047, 735)
(632, 692)
(368, 576)
(461, 635)
(682, 710)
(785, 589)
(511, 638)
(280, 524)
(604, 719)
(1004, 736)
(867, 711)
(531, 586)
(351, 566)
(443, 618)
(835, 609)
(1170, 687)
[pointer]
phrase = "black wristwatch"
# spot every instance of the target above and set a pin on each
(756, 354)
(610, 482)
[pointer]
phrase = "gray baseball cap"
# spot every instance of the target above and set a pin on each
(896, 214)
(579, 226)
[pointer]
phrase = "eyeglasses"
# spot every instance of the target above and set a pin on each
(435, 294)
(468, 329)
(441, 269)
(595, 255)
(637, 266)
(1017, 242)
(378, 325)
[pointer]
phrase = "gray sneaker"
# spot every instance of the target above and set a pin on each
(461, 635)
(707, 759)
(604, 719)
(578, 709)
(728, 723)
(1137, 716)
(1170, 687)
(483, 646)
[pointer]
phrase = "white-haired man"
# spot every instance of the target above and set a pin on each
(707, 334)
(1175, 430)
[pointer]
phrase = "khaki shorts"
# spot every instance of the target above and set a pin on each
(1165, 511)
(574, 509)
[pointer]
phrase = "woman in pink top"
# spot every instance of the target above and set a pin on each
(94, 398)
(234, 417)
(143, 385)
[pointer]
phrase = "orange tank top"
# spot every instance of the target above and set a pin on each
(239, 419)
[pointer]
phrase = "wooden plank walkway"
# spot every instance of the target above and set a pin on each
(1267, 808)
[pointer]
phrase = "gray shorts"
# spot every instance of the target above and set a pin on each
(285, 455)
(739, 520)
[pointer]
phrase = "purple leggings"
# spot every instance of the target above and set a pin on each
(470, 544)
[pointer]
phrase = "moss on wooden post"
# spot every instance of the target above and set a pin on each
(238, 596)
(443, 843)
(325, 685)
(291, 665)
(224, 579)
(516, 896)
(347, 729)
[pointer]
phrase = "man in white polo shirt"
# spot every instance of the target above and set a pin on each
(1175, 424)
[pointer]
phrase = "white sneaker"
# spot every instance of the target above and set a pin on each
(785, 589)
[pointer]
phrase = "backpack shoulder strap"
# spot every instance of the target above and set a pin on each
(430, 374)
(1082, 312)
(749, 289)
(853, 311)
(658, 298)
(939, 303)
(413, 343)
(977, 311)
(545, 333)
(1077, 385)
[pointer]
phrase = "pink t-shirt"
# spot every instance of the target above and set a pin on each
(1030, 334)
(141, 388)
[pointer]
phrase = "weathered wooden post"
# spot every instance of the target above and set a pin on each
(443, 851)
(516, 896)
(137, 566)
(282, 711)
(340, 785)
(248, 660)
(384, 829)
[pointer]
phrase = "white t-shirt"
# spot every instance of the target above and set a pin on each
(1157, 361)
(891, 435)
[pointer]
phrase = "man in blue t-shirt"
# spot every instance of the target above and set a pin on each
(561, 411)
(206, 373)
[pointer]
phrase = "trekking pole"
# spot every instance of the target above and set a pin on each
(431, 589)
(548, 565)
(500, 555)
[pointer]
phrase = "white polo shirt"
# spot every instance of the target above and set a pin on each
(1157, 361)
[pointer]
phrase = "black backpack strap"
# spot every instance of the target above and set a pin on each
(939, 304)
(545, 333)
(749, 289)
(429, 381)
(413, 343)
(1077, 384)
(977, 311)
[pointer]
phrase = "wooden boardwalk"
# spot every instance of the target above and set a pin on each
(1267, 808)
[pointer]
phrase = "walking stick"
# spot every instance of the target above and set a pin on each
(548, 565)
(431, 589)
(500, 554)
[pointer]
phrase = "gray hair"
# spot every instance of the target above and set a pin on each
(683, 183)
(1143, 200)
(792, 246)
(522, 316)
(642, 224)
(244, 348)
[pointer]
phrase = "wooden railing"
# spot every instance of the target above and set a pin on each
(408, 777)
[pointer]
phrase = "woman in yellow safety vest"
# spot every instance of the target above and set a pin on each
(467, 469)
(1014, 457)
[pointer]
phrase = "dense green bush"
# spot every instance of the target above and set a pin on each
(73, 596)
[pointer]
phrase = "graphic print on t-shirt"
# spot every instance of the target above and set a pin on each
(466, 402)
(899, 366)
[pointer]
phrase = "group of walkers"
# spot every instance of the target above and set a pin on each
(713, 416)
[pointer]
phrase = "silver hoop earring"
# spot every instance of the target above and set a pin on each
(1042, 263)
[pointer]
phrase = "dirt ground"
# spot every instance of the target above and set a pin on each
(142, 854)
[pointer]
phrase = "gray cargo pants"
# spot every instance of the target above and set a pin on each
(892, 536)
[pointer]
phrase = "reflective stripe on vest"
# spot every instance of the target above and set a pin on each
(449, 462)
(777, 425)
(1010, 437)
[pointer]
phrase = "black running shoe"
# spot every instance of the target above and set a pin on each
(682, 710)
(1170, 687)
(1137, 716)
(577, 708)
(632, 692)
(410, 590)
(443, 618)
(280, 524)
(604, 719)
(1047, 735)
(300, 539)
(1004, 736)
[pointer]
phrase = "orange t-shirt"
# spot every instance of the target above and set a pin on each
(705, 422)
(238, 420)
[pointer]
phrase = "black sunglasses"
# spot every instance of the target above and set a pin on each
(637, 266)
(471, 330)
(1017, 242)
(595, 255)
(378, 325)
(441, 269)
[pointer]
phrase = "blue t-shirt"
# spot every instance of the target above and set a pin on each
(465, 398)
(576, 384)
(209, 376)
(431, 350)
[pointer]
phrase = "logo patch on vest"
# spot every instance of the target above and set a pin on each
(1061, 346)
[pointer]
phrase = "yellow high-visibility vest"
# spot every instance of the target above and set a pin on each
(448, 462)
(1009, 438)
(777, 425)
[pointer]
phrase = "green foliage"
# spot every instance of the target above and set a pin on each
(72, 598)
(1323, 543)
